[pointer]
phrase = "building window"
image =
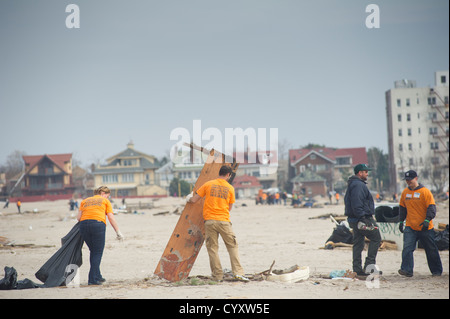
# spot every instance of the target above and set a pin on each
(411, 162)
(433, 130)
(408, 117)
(399, 102)
(435, 160)
(400, 147)
(407, 102)
(127, 178)
(434, 145)
(111, 178)
(409, 132)
(399, 117)
(400, 132)
(443, 79)
(410, 146)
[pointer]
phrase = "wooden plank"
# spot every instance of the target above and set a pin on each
(188, 236)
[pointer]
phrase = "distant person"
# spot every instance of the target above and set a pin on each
(417, 206)
(284, 197)
(6, 203)
(92, 217)
(19, 205)
(219, 199)
(360, 208)
(337, 198)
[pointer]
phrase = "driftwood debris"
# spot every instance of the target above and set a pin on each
(6, 243)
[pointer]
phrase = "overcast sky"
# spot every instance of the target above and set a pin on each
(136, 70)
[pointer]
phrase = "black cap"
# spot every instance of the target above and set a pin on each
(409, 175)
(361, 167)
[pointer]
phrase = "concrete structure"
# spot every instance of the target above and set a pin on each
(418, 128)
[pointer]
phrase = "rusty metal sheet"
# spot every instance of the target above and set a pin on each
(188, 236)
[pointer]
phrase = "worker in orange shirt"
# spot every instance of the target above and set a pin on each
(92, 217)
(277, 198)
(219, 198)
(264, 198)
(418, 207)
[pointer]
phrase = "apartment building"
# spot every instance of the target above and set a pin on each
(418, 131)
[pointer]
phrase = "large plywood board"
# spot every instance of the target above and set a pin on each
(188, 236)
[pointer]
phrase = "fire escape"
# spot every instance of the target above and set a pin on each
(441, 136)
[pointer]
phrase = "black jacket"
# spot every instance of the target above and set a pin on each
(358, 200)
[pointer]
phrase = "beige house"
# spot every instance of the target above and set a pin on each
(129, 173)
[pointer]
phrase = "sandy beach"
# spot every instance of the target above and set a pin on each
(289, 236)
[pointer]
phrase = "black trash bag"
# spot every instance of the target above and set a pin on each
(10, 281)
(341, 234)
(441, 239)
(55, 271)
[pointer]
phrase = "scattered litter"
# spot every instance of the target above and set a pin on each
(342, 275)
(6, 243)
(178, 210)
(290, 275)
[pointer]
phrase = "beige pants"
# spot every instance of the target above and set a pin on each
(212, 230)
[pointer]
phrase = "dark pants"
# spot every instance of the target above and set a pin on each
(358, 246)
(93, 234)
(410, 238)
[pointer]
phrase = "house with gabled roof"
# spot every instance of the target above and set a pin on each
(129, 173)
(246, 186)
(48, 174)
(319, 170)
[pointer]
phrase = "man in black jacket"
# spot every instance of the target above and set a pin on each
(360, 208)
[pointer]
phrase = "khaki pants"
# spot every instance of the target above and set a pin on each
(212, 230)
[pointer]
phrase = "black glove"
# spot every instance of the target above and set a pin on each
(401, 227)
(425, 224)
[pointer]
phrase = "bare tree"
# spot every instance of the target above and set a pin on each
(14, 164)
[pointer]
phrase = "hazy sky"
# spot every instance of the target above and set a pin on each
(136, 70)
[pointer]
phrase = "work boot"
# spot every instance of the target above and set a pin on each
(404, 273)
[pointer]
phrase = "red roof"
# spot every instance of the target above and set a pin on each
(246, 181)
(358, 154)
(58, 159)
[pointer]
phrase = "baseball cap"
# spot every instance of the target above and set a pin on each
(361, 167)
(409, 175)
